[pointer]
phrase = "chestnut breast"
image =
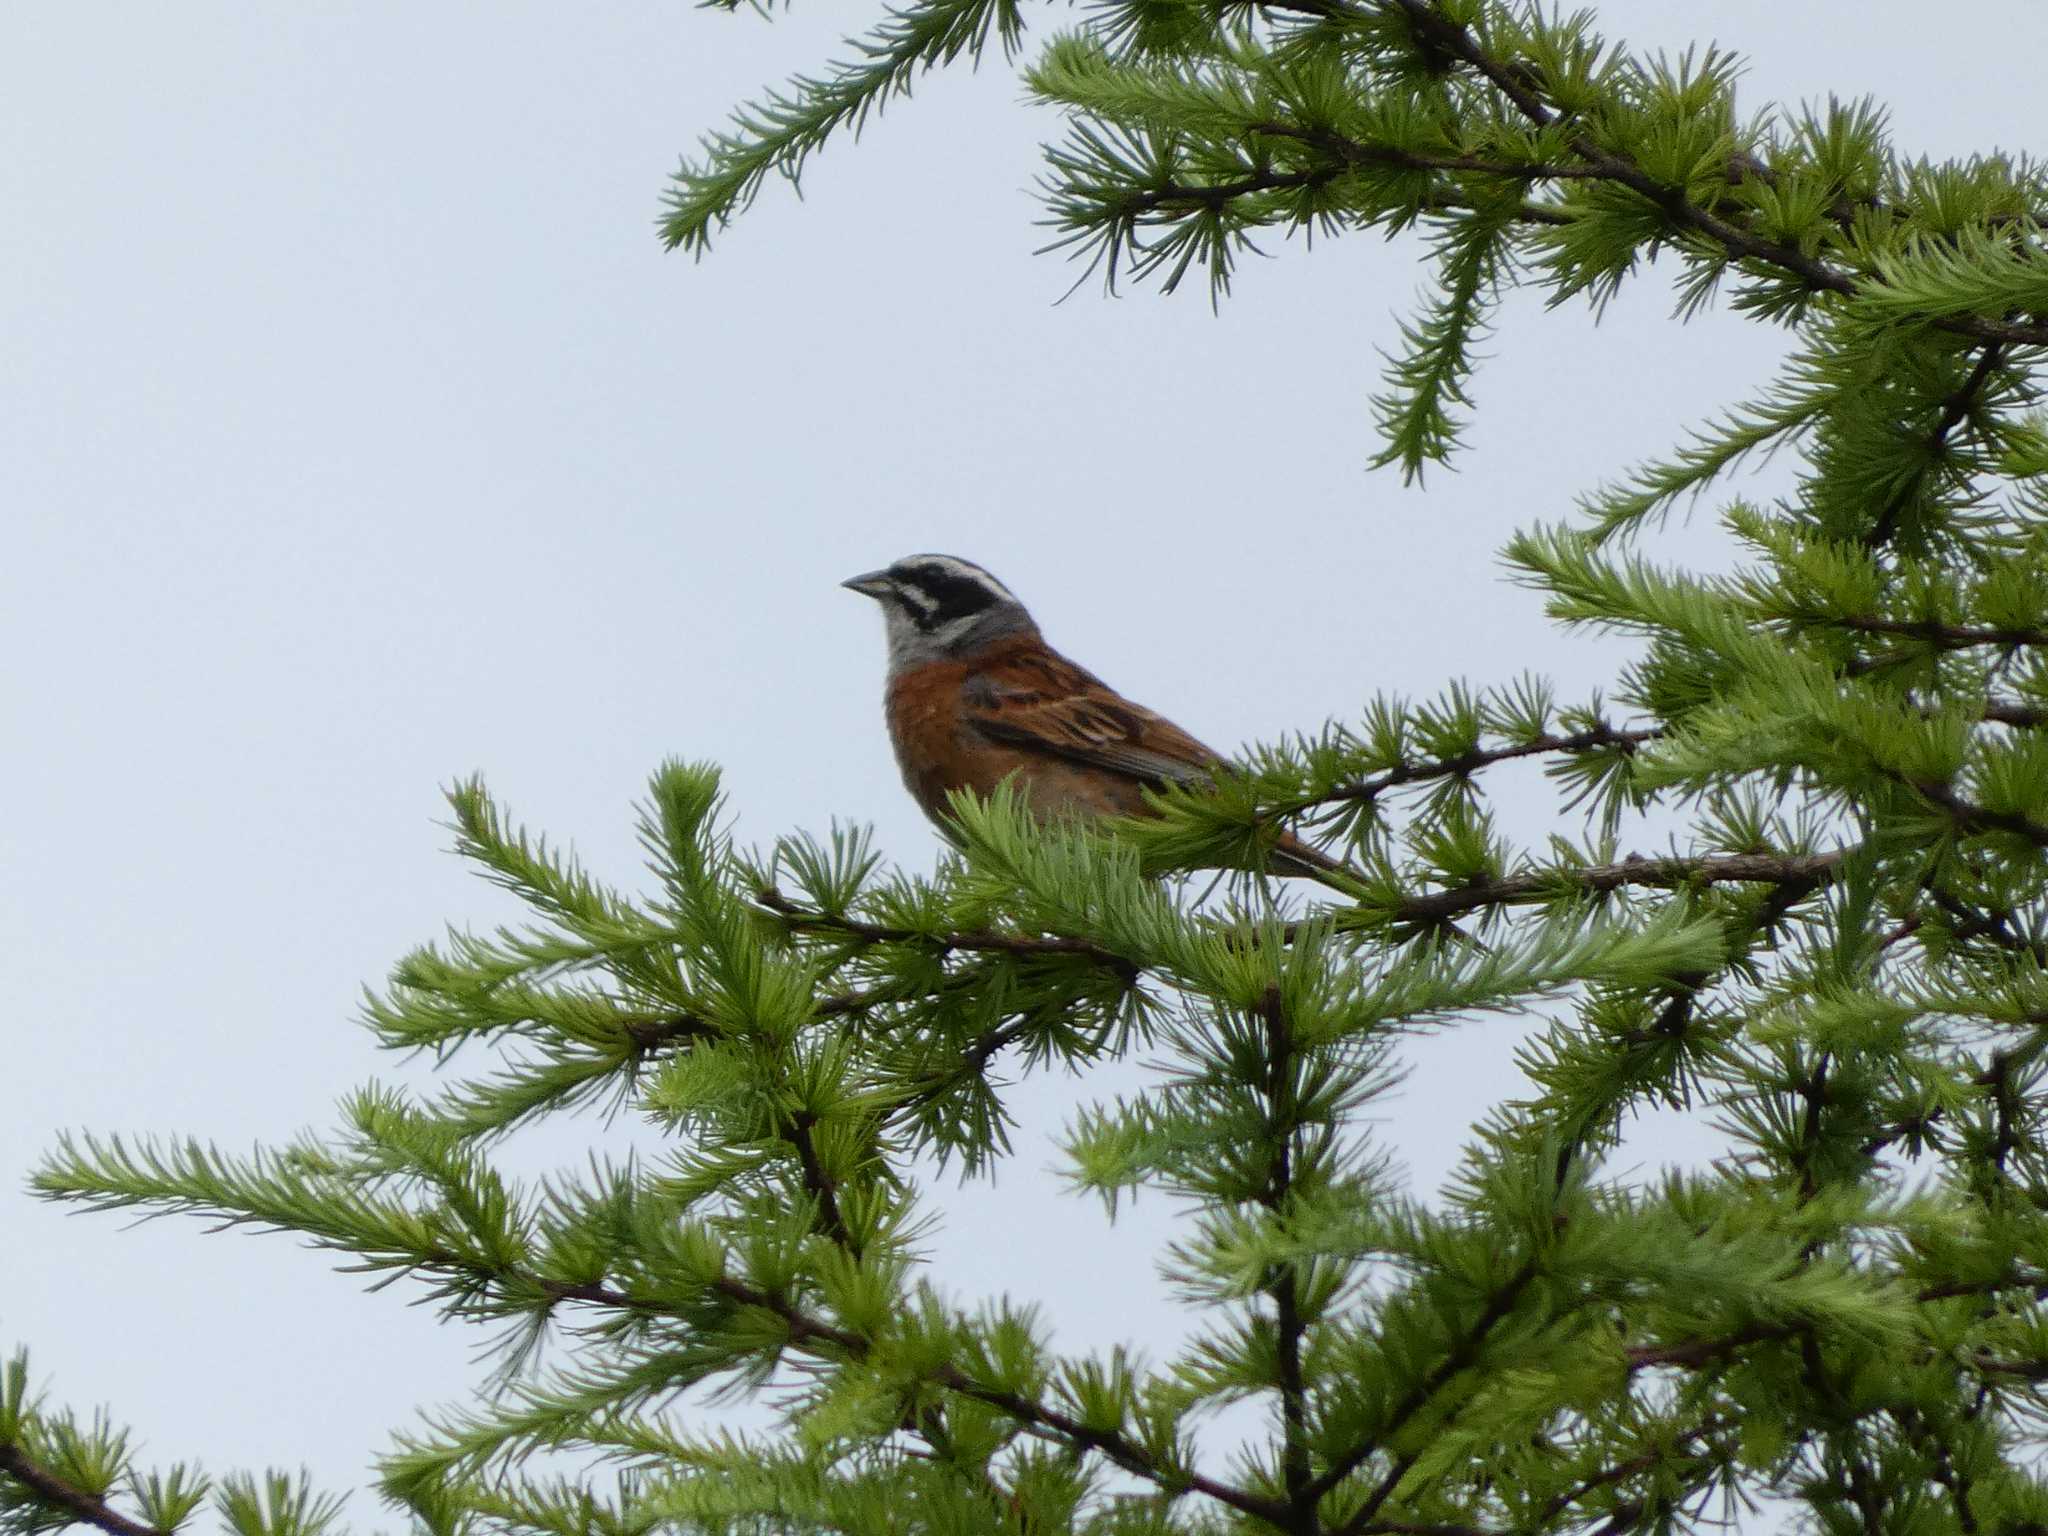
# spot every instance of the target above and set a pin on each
(940, 748)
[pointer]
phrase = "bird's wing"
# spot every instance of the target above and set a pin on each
(1041, 702)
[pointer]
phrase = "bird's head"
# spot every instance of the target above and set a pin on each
(940, 608)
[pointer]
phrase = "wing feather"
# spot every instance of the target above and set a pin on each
(1044, 703)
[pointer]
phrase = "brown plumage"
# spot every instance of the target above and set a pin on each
(976, 697)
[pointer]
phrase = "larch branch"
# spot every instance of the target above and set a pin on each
(1953, 410)
(1799, 870)
(1464, 764)
(1462, 1355)
(801, 920)
(87, 1508)
(1522, 86)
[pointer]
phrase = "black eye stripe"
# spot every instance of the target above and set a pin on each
(940, 593)
(935, 593)
(955, 597)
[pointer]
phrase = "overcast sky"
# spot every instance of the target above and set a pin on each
(356, 433)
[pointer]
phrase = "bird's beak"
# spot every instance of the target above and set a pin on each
(875, 584)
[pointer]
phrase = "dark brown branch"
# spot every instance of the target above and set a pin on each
(2022, 1370)
(1697, 1352)
(1692, 1353)
(1953, 409)
(1288, 1327)
(801, 920)
(2001, 1081)
(650, 1033)
(1806, 871)
(1113, 1446)
(1594, 737)
(1465, 764)
(52, 1489)
(1461, 1356)
(972, 1063)
(1957, 1481)
(1815, 1092)
(1391, 157)
(1943, 637)
(818, 1184)
(831, 1340)
(1176, 196)
(1971, 818)
(2025, 717)
(1621, 1471)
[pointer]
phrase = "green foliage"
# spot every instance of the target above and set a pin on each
(56, 1471)
(1837, 951)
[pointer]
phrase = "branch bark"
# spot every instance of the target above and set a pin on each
(1808, 870)
(52, 1489)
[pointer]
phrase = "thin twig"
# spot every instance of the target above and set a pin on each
(802, 920)
(1464, 764)
(1953, 409)
(1970, 817)
(1800, 870)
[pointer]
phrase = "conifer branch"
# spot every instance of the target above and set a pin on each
(1522, 86)
(1693, 1353)
(1972, 818)
(1953, 410)
(1395, 157)
(55, 1491)
(818, 1184)
(804, 1329)
(782, 134)
(1287, 1321)
(1113, 1446)
(1460, 1357)
(1972, 923)
(973, 1062)
(1594, 738)
(1742, 166)
(1622, 1471)
(1945, 1471)
(1180, 196)
(650, 1034)
(830, 1340)
(1465, 764)
(1943, 637)
(804, 920)
(1801, 872)
(2011, 712)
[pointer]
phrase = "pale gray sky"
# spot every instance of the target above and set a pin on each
(355, 433)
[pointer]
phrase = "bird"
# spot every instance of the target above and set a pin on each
(975, 697)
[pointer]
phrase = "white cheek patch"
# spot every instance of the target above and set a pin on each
(918, 599)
